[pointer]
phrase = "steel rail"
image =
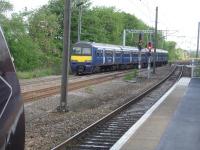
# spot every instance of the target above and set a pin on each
(75, 139)
(53, 90)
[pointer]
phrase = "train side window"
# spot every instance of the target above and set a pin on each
(127, 54)
(118, 54)
(99, 53)
(135, 55)
(5, 94)
(109, 53)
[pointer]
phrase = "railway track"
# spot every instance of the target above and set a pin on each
(105, 132)
(55, 89)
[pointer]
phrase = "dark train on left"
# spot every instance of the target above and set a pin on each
(12, 121)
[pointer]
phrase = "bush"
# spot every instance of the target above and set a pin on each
(26, 53)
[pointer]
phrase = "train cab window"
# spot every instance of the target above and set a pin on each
(86, 51)
(5, 93)
(76, 51)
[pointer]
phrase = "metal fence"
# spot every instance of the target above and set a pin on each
(196, 68)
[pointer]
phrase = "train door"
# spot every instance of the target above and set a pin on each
(126, 57)
(104, 56)
(131, 57)
(135, 57)
(99, 57)
(113, 56)
(108, 57)
(118, 57)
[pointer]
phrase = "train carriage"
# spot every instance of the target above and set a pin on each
(90, 57)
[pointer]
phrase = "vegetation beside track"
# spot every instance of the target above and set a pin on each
(35, 37)
(36, 73)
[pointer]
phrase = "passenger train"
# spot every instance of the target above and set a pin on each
(12, 122)
(90, 57)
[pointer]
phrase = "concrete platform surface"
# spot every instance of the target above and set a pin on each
(151, 132)
(183, 132)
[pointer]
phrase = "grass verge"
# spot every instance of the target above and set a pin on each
(131, 75)
(36, 73)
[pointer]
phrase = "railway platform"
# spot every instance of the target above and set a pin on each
(173, 123)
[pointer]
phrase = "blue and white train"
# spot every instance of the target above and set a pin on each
(90, 57)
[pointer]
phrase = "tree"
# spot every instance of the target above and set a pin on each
(43, 27)
(26, 53)
(5, 6)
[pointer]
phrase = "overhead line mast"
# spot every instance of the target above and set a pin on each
(155, 42)
(79, 5)
(66, 53)
(197, 53)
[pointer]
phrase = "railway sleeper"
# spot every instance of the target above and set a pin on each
(133, 113)
(103, 137)
(108, 133)
(111, 133)
(121, 124)
(113, 129)
(126, 119)
(99, 139)
(99, 143)
(94, 146)
(86, 147)
(120, 128)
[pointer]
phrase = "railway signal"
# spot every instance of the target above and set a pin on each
(140, 43)
(149, 46)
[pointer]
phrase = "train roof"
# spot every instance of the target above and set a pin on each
(116, 47)
(106, 46)
(159, 51)
(129, 48)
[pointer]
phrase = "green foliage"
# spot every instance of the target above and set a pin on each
(131, 75)
(35, 73)
(170, 46)
(89, 89)
(35, 38)
(43, 26)
(26, 53)
(5, 6)
(175, 53)
(107, 24)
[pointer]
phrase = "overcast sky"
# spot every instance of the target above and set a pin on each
(179, 16)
